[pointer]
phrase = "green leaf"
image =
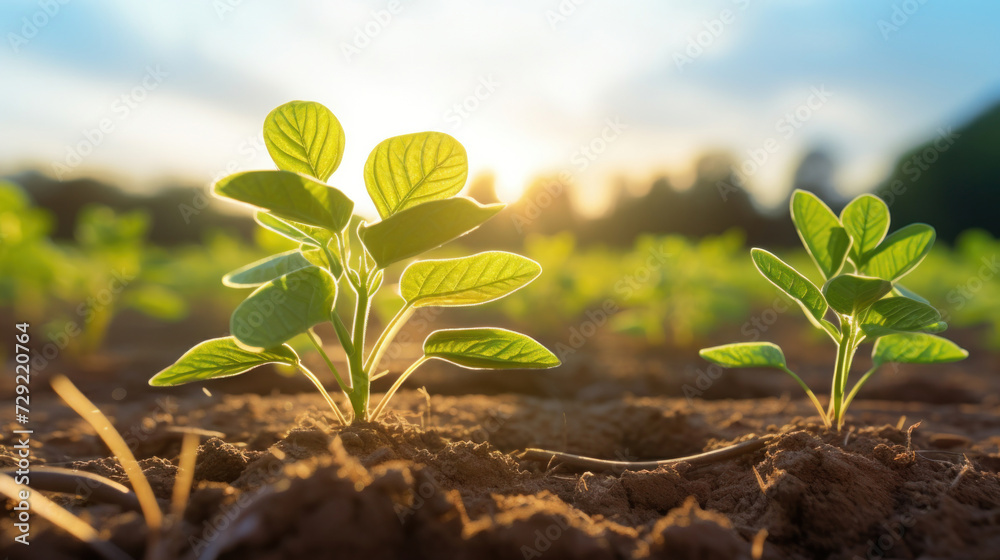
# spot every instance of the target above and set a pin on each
(302, 233)
(219, 357)
(488, 348)
(284, 307)
(824, 238)
(900, 252)
(898, 314)
(290, 196)
(850, 294)
(269, 268)
(788, 280)
(901, 290)
(937, 327)
(466, 281)
(404, 171)
(745, 354)
(424, 227)
(866, 220)
(304, 137)
(916, 348)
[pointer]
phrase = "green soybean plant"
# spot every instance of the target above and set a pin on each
(413, 180)
(861, 268)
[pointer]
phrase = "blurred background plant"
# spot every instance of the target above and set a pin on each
(671, 288)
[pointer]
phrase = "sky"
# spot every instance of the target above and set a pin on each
(172, 90)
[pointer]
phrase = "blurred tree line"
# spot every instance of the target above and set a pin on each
(949, 181)
(178, 215)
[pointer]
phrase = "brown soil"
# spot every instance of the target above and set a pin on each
(441, 478)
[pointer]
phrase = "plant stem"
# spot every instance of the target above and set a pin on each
(851, 349)
(812, 397)
(345, 251)
(319, 385)
(836, 393)
(857, 386)
(845, 355)
(359, 376)
(395, 387)
(329, 363)
(382, 344)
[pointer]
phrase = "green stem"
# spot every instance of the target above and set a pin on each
(811, 395)
(857, 386)
(345, 252)
(845, 355)
(359, 376)
(319, 385)
(830, 329)
(851, 349)
(329, 363)
(395, 387)
(836, 394)
(382, 344)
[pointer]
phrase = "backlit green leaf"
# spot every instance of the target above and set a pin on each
(866, 220)
(745, 354)
(284, 307)
(821, 232)
(302, 233)
(901, 290)
(488, 348)
(916, 348)
(900, 252)
(849, 294)
(424, 227)
(304, 137)
(466, 281)
(788, 280)
(404, 171)
(269, 268)
(898, 314)
(937, 327)
(219, 357)
(290, 196)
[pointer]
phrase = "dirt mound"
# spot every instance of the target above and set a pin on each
(286, 482)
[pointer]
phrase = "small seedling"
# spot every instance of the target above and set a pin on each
(861, 268)
(413, 180)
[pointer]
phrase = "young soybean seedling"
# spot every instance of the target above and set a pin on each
(861, 268)
(413, 180)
